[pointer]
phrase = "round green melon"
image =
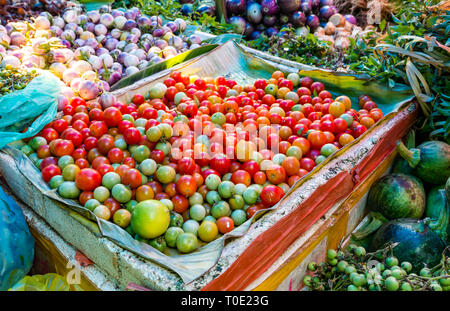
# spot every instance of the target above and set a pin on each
(397, 196)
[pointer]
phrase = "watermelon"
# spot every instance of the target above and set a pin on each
(438, 212)
(430, 160)
(418, 244)
(397, 196)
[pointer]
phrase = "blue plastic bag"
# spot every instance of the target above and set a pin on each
(20, 108)
(16, 243)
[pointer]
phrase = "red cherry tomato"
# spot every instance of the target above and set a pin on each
(88, 179)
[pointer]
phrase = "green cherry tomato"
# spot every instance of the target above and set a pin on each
(110, 179)
(212, 181)
(56, 181)
(236, 202)
(250, 196)
(122, 218)
(121, 193)
(239, 217)
(212, 197)
(220, 209)
(70, 171)
(141, 153)
(36, 142)
(171, 235)
(69, 190)
(226, 189)
(64, 161)
(186, 242)
(102, 212)
(176, 220)
(91, 204)
(148, 167)
(130, 205)
(101, 194)
(195, 198)
(159, 243)
(197, 212)
(208, 231)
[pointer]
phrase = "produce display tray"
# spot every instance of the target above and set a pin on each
(268, 238)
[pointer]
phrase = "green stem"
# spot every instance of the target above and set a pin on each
(377, 220)
(412, 156)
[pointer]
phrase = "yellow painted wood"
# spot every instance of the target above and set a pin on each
(278, 276)
(57, 261)
(337, 231)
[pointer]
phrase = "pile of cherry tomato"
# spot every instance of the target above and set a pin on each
(210, 151)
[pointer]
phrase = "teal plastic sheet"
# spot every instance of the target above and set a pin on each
(93, 5)
(19, 110)
(16, 243)
(232, 61)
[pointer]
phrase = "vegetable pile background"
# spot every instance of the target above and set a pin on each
(198, 156)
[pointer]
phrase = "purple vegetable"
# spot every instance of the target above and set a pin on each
(62, 102)
(261, 28)
(236, 6)
(144, 21)
(92, 43)
(255, 35)
(176, 42)
(161, 44)
(269, 7)
(88, 90)
(173, 26)
(101, 51)
(103, 86)
(194, 39)
(269, 20)
(111, 43)
(100, 29)
(117, 67)
(56, 31)
(326, 12)
(306, 8)
(66, 43)
(136, 11)
(326, 2)
(132, 38)
(107, 100)
(71, 26)
(116, 13)
(315, 4)
(89, 27)
(78, 43)
(298, 19)
(158, 32)
(115, 33)
(254, 13)
(238, 24)
(271, 31)
(288, 6)
(248, 29)
(313, 21)
(93, 16)
(82, 19)
(351, 19)
(129, 24)
(107, 19)
(130, 14)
